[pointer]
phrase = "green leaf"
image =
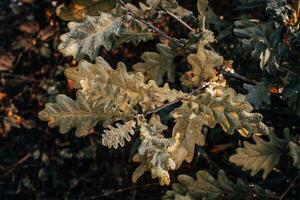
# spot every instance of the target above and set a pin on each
(86, 38)
(153, 6)
(262, 155)
(202, 6)
(157, 65)
(88, 71)
(262, 40)
(258, 95)
(264, 58)
(96, 79)
(160, 4)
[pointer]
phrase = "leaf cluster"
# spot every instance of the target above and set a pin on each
(129, 100)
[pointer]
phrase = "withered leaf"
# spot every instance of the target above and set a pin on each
(67, 114)
(107, 30)
(75, 10)
(203, 63)
(47, 33)
(153, 153)
(115, 137)
(218, 105)
(6, 62)
(30, 27)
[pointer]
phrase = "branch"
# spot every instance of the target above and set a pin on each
(180, 21)
(176, 41)
(236, 76)
(186, 97)
(151, 26)
(290, 186)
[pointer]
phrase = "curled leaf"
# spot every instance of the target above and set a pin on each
(115, 137)
(153, 153)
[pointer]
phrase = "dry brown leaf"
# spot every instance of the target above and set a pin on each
(2, 95)
(30, 27)
(78, 8)
(203, 63)
(47, 33)
(27, 1)
(6, 62)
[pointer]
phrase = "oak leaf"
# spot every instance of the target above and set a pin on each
(262, 155)
(205, 186)
(157, 65)
(203, 63)
(107, 30)
(115, 137)
(153, 153)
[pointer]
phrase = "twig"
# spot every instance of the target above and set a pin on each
(176, 41)
(180, 20)
(290, 186)
(150, 25)
(22, 160)
(135, 33)
(134, 187)
(206, 84)
(236, 76)
(163, 106)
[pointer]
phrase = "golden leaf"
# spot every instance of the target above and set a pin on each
(203, 63)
